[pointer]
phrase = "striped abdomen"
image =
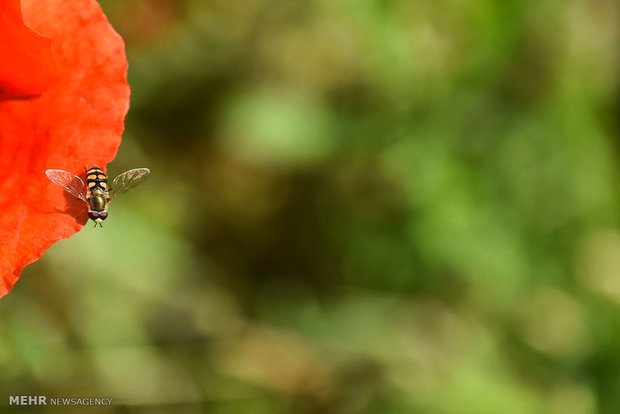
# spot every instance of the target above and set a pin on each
(96, 179)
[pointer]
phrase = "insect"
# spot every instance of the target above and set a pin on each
(97, 195)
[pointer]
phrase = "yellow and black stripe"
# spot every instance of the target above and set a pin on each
(96, 179)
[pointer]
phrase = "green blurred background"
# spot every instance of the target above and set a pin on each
(355, 206)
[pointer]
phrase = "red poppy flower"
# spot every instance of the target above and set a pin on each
(63, 100)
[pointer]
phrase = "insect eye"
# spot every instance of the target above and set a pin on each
(94, 215)
(103, 215)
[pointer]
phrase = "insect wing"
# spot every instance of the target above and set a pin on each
(128, 180)
(69, 182)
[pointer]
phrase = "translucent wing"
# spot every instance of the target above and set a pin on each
(69, 182)
(128, 180)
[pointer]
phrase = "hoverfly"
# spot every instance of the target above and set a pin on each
(97, 195)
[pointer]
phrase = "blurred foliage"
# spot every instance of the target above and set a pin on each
(356, 206)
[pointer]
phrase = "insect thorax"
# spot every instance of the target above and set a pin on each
(98, 201)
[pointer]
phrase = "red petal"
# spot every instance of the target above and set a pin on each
(27, 67)
(77, 121)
